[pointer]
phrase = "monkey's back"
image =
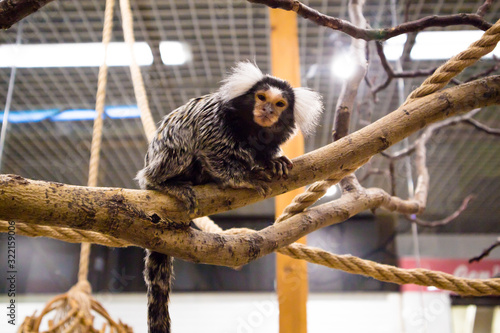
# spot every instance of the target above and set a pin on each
(186, 134)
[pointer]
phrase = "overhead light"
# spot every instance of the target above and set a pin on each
(174, 53)
(435, 45)
(34, 116)
(343, 66)
(123, 111)
(74, 115)
(72, 55)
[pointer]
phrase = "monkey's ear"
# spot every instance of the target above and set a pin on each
(241, 78)
(307, 110)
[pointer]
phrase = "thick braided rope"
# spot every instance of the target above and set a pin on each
(458, 63)
(97, 130)
(306, 199)
(137, 81)
(345, 263)
(387, 273)
(64, 234)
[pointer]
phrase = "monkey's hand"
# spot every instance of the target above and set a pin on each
(280, 166)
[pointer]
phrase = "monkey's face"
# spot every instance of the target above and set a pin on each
(269, 105)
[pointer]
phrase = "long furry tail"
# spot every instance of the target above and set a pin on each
(158, 274)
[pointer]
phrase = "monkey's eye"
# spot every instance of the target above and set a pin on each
(280, 104)
(261, 97)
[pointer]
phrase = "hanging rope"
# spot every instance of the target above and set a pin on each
(139, 89)
(73, 309)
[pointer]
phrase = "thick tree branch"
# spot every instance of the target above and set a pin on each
(13, 11)
(140, 217)
(375, 34)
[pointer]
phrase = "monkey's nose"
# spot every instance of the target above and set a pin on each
(268, 109)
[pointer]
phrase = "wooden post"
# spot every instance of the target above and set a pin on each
(291, 274)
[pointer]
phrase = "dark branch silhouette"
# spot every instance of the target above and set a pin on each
(350, 29)
(486, 252)
(13, 11)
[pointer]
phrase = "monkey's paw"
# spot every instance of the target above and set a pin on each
(263, 189)
(262, 174)
(256, 184)
(185, 193)
(280, 167)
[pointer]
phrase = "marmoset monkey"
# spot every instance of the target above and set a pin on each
(232, 138)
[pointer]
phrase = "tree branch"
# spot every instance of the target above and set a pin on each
(482, 127)
(481, 11)
(429, 131)
(349, 90)
(486, 252)
(13, 11)
(447, 219)
(144, 218)
(375, 34)
(395, 75)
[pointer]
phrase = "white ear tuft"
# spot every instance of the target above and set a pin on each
(307, 110)
(242, 77)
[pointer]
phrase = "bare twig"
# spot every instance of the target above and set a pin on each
(484, 8)
(392, 174)
(411, 39)
(486, 252)
(395, 75)
(447, 219)
(480, 126)
(407, 10)
(429, 131)
(12, 11)
(375, 34)
(486, 72)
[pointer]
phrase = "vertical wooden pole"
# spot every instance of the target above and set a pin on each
(291, 274)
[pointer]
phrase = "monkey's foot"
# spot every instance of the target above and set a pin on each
(280, 167)
(184, 193)
(261, 174)
(257, 185)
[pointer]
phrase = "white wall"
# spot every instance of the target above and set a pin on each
(252, 313)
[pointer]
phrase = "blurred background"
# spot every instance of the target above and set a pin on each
(185, 48)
